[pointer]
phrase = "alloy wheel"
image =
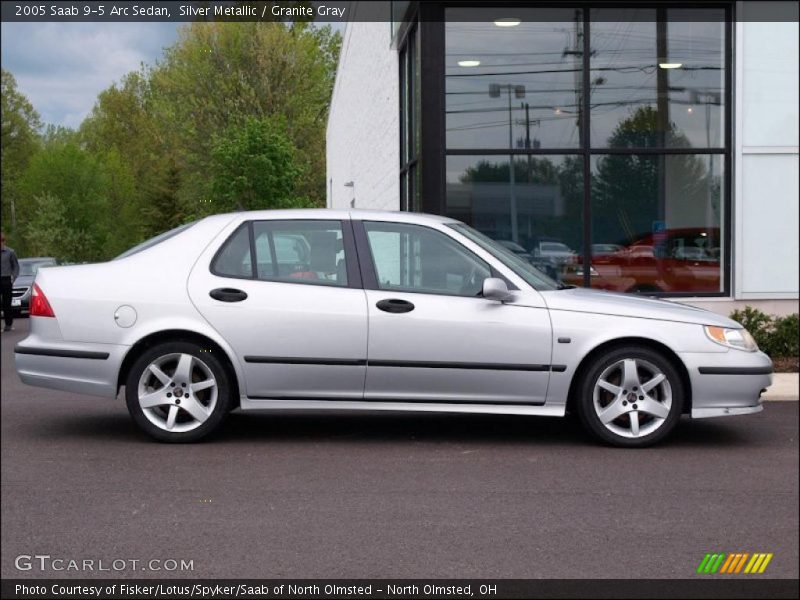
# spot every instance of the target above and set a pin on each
(177, 392)
(632, 398)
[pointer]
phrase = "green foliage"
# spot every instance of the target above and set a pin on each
(52, 231)
(233, 116)
(785, 336)
(19, 140)
(776, 336)
(220, 75)
(91, 191)
(255, 166)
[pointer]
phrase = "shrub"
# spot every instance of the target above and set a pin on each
(776, 336)
(786, 335)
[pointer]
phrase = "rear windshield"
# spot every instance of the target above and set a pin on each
(155, 240)
(29, 268)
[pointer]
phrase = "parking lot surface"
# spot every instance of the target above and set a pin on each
(388, 495)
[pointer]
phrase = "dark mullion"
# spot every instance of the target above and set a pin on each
(580, 151)
(432, 111)
(657, 151)
(587, 167)
(515, 151)
(728, 194)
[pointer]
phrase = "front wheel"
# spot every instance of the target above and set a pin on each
(631, 397)
(178, 392)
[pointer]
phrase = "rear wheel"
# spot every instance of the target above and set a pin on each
(178, 392)
(631, 397)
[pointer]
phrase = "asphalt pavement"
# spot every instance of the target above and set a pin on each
(387, 495)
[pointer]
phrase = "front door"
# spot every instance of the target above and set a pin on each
(432, 337)
(287, 297)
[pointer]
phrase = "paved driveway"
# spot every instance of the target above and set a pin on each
(355, 495)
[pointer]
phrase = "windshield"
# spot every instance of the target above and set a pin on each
(28, 268)
(155, 240)
(519, 265)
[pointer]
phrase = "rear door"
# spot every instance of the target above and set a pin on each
(431, 334)
(287, 296)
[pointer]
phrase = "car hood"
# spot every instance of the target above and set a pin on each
(628, 305)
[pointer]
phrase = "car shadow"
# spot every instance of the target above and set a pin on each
(378, 428)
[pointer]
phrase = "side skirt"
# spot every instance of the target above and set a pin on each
(249, 404)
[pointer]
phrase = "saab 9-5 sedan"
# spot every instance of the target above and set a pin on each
(363, 310)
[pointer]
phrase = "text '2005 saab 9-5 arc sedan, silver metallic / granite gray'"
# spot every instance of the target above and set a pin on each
(363, 310)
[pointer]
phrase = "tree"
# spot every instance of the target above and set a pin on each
(51, 231)
(20, 139)
(168, 123)
(255, 166)
(219, 75)
(526, 170)
(627, 191)
(233, 116)
(77, 197)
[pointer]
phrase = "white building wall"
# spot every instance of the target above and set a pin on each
(363, 135)
(767, 171)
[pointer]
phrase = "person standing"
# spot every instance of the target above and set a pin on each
(9, 270)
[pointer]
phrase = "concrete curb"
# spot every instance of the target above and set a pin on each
(785, 386)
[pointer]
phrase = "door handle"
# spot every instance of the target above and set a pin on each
(395, 305)
(228, 295)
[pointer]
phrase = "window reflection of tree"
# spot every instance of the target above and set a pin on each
(625, 187)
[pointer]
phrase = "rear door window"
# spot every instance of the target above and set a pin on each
(289, 251)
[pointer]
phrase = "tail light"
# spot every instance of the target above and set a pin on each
(40, 307)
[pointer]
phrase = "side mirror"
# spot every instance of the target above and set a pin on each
(495, 289)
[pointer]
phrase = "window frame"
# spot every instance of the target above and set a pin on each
(369, 271)
(348, 240)
(434, 153)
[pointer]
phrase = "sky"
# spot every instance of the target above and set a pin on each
(61, 67)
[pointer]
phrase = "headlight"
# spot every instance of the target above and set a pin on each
(732, 338)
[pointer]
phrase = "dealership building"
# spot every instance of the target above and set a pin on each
(640, 147)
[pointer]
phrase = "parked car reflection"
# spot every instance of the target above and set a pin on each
(675, 260)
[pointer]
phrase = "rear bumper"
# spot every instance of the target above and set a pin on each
(90, 369)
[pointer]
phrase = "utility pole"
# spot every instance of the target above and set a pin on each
(519, 92)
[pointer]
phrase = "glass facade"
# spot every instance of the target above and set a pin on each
(593, 142)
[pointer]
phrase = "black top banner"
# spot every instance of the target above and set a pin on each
(329, 12)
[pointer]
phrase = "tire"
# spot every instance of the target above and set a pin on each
(612, 386)
(178, 392)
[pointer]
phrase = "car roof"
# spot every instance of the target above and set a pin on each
(361, 214)
(36, 259)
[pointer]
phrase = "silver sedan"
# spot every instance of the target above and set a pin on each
(362, 310)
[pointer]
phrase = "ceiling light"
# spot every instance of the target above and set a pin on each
(507, 22)
(670, 65)
(468, 63)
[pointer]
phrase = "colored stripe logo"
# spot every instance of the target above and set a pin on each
(732, 563)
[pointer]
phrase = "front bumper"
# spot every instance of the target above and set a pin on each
(727, 383)
(704, 413)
